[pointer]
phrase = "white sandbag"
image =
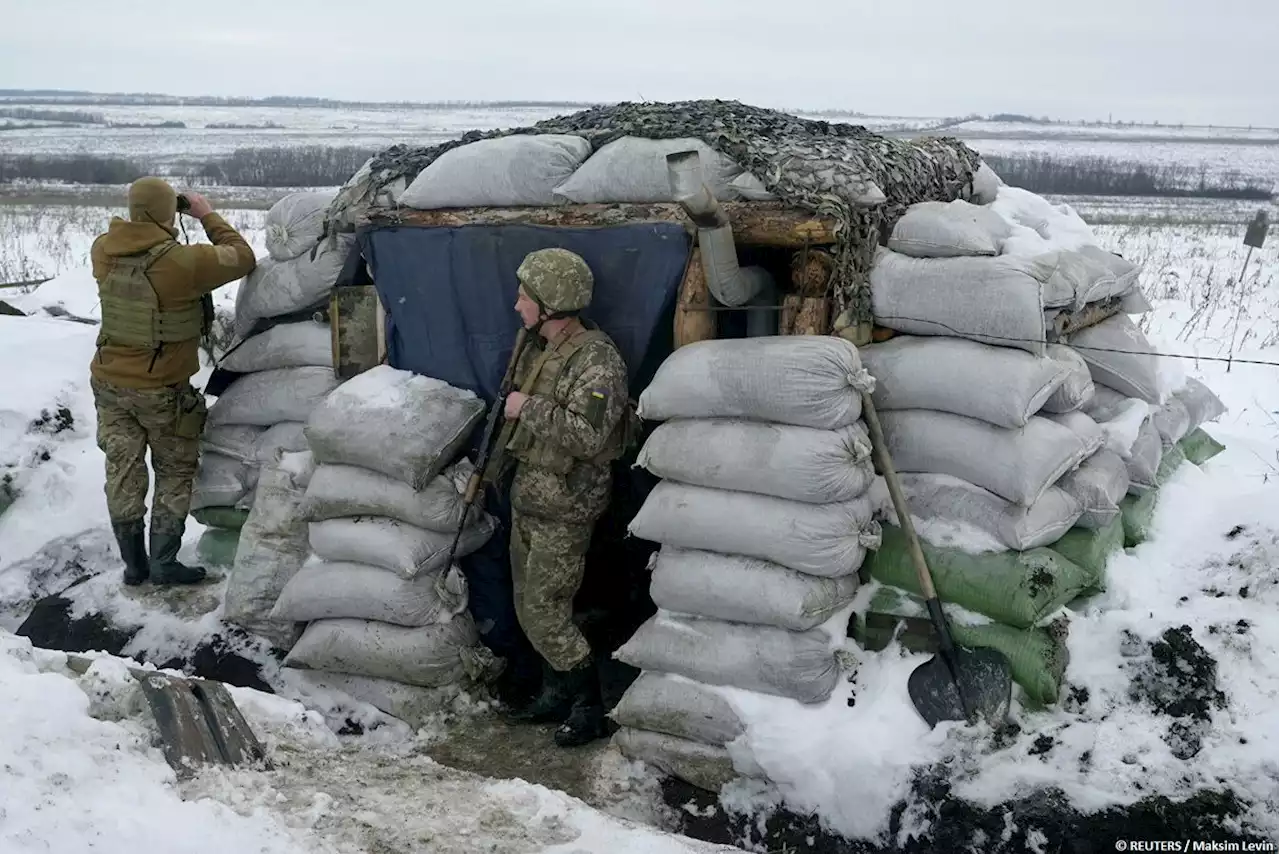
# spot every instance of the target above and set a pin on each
(286, 345)
(634, 169)
(221, 481)
(1077, 387)
(393, 545)
(516, 170)
(999, 385)
(805, 380)
(782, 460)
(745, 590)
(933, 497)
(266, 398)
(1121, 275)
(237, 441)
(1120, 357)
(750, 188)
(296, 223)
(283, 287)
(706, 766)
(828, 540)
(338, 491)
(948, 229)
(991, 300)
(1098, 485)
(800, 665)
(1018, 464)
(1172, 421)
(412, 704)
(1201, 403)
(273, 547)
(402, 424)
(1120, 417)
(324, 590)
(429, 656)
(1144, 459)
(986, 185)
(1135, 302)
(287, 437)
(1085, 428)
(659, 702)
(1061, 226)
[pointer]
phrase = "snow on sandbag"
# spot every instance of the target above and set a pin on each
(1077, 387)
(998, 385)
(1201, 403)
(804, 380)
(1085, 428)
(233, 440)
(942, 497)
(1099, 485)
(273, 547)
(286, 345)
(338, 491)
(396, 422)
(1172, 421)
(1017, 464)
(660, 702)
(1120, 357)
(522, 169)
(221, 481)
(782, 460)
(800, 665)
(428, 656)
(703, 765)
(323, 590)
(1199, 447)
(745, 590)
(948, 229)
(266, 398)
(393, 545)
(1121, 419)
(986, 185)
(283, 287)
(287, 437)
(1143, 463)
(1059, 225)
(828, 540)
(296, 223)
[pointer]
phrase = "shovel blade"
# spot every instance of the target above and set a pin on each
(984, 677)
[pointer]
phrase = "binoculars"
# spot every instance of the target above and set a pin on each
(184, 204)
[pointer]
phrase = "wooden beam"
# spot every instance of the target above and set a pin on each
(693, 325)
(754, 223)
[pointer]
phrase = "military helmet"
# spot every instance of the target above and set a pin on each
(556, 279)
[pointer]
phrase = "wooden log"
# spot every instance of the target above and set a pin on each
(1069, 322)
(693, 325)
(805, 315)
(754, 223)
(811, 271)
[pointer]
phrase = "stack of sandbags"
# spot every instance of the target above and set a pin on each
(381, 602)
(763, 519)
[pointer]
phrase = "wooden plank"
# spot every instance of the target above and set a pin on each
(354, 330)
(805, 315)
(1069, 322)
(690, 324)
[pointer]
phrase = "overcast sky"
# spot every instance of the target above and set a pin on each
(1194, 61)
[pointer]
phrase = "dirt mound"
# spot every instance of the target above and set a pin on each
(1180, 679)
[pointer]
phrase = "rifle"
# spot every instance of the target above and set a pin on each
(491, 423)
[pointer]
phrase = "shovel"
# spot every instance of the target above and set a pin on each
(957, 684)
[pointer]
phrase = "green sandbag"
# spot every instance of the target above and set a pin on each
(1138, 511)
(1169, 463)
(1038, 657)
(1016, 588)
(217, 547)
(230, 518)
(1200, 447)
(1090, 550)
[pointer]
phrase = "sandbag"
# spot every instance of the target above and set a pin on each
(1136, 515)
(659, 702)
(287, 437)
(1017, 464)
(217, 547)
(702, 765)
(402, 424)
(428, 656)
(394, 545)
(1077, 388)
(230, 518)
(1099, 484)
(276, 287)
(1172, 421)
(324, 590)
(1120, 357)
(269, 397)
(800, 665)
(518, 170)
(412, 704)
(999, 385)
(990, 300)
(273, 547)
(1122, 274)
(1199, 447)
(827, 540)
(221, 481)
(286, 345)
(745, 590)
(1092, 549)
(1085, 428)
(782, 460)
(985, 186)
(1016, 588)
(948, 229)
(1201, 403)
(296, 223)
(1144, 459)
(804, 380)
(940, 496)
(233, 440)
(338, 491)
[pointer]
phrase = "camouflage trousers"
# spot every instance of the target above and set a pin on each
(547, 563)
(168, 421)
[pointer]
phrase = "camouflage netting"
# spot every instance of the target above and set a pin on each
(814, 165)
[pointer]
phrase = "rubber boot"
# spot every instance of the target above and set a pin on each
(586, 721)
(559, 690)
(166, 539)
(131, 539)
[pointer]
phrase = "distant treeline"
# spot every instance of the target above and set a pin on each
(1104, 176)
(302, 166)
(75, 168)
(74, 116)
(54, 96)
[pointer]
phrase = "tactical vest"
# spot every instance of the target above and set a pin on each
(544, 377)
(131, 312)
